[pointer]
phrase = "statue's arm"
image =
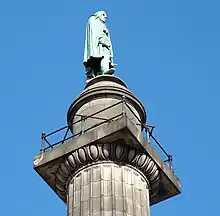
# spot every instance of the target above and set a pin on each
(104, 42)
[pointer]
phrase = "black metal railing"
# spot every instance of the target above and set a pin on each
(46, 144)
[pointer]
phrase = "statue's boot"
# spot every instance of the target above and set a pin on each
(110, 71)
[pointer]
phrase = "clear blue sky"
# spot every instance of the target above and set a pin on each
(168, 54)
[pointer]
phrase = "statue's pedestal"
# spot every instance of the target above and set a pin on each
(103, 99)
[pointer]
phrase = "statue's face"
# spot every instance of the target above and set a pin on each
(103, 17)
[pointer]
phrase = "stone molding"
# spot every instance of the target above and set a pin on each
(104, 78)
(96, 89)
(101, 153)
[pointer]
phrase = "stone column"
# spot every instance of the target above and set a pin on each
(108, 168)
(109, 178)
(108, 189)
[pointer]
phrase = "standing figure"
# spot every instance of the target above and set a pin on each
(98, 54)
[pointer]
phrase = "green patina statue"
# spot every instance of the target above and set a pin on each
(98, 54)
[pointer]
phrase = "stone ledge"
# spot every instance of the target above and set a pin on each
(47, 164)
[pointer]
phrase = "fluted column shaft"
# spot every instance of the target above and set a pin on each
(108, 189)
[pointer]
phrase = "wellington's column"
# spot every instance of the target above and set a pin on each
(111, 177)
(106, 166)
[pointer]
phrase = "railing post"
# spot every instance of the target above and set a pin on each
(170, 159)
(147, 134)
(65, 134)
(83, 118)
(42, 142)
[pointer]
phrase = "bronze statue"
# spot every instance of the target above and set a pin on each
(98, 54)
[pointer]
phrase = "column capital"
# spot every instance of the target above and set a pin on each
(116, 152)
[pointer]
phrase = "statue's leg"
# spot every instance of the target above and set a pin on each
(105, 64)
(89, 73)
(96, 66)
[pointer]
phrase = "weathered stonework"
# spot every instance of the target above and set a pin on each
(108, 189)
(106, 153)
(100, 93)
(108, 168)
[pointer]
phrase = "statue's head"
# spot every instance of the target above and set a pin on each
(101, 15)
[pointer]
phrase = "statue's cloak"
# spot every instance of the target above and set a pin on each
(94, 32)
